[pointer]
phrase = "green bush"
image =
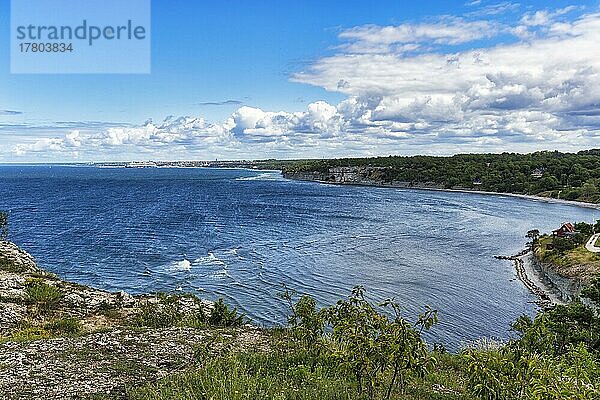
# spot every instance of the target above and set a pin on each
(222, 315)
(306, 322)
(44, 296)
(376, 349)
(556, 356)
(508, 374)
(163, 312)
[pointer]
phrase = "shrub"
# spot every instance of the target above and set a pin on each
(163, 313)
(378, 350)
(222, 315)
(44, 296)
(509, 374)
(306, 322)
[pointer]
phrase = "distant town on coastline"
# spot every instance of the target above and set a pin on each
(552, 174)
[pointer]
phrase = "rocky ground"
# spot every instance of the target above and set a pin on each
(60, 340)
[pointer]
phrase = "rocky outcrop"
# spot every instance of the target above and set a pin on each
(16, 260)
(364, 176)
(61, 340)
(19, 273)
(567, 287)
(105, 364)
(544, 300)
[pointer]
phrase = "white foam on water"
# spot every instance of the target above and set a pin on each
(210, 260)
(183, 265)
(265, 176)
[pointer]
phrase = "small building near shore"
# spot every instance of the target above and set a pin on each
(565, 231)
(537, 173)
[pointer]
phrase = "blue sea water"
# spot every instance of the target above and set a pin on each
(240, 234)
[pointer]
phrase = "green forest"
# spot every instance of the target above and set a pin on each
(568, 176)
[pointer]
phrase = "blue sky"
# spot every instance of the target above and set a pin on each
(319, 78)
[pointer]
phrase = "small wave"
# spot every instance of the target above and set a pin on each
(221, 274)
(266, 176)
(183, 265)
(210, 259)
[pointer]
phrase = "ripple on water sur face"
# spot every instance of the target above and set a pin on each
(240, 234)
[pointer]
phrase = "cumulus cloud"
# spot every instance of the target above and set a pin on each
(412, 88)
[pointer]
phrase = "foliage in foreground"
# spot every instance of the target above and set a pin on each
(356, 350)
(557, 356)
(352, 350)
(166, 311)
(285, 373)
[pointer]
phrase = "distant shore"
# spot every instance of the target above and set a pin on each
(522, 196)
(462, 190)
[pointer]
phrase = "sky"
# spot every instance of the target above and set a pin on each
(246, 79)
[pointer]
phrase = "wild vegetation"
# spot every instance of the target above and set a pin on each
(358, 350)
(552, 174)
(568, 256)
(166, 312)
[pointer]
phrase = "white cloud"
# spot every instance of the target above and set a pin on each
(409, 90)
(409, 37)
(544, 17)
(41, 145)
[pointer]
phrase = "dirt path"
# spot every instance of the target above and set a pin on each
(590, 245)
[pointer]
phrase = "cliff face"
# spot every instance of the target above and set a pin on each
(568, 288)
(368, 176)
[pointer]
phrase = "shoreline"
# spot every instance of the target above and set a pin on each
(435, 189)
(532, 280)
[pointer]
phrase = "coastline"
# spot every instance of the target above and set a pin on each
(551, 289)
(63, 340)
(438, 189)
(535, 280)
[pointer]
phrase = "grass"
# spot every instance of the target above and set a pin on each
(252, 376)
(287, 374)
(60, 327)
(44, 296)
(578, 262)
(64, 326)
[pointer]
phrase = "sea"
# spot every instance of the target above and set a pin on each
(242, 235)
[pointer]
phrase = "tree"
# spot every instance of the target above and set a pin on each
(3, 225)
(589, 190)
(534, 235)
